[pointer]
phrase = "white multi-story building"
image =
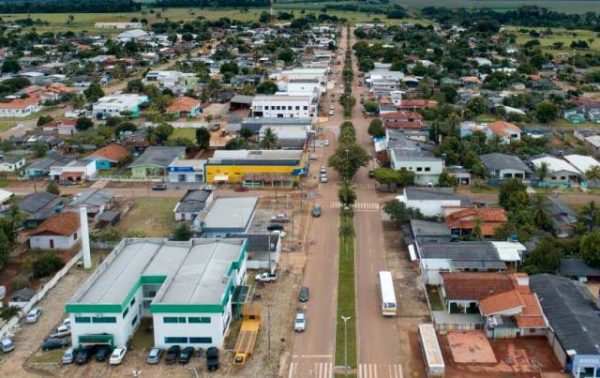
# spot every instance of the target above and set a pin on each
(282, 106)
(185, 287)
(426, 167)
(115, 105)
(178, 82)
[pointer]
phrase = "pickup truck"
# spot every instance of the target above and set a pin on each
(266, 277)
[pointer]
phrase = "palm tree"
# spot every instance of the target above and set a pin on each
(542, 171)
(591, 215)
(593, 174)
(540, 212)
(269, 139)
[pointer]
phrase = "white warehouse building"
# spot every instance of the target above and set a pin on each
(185, 287)
(284, 106)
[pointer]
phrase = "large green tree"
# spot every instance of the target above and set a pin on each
(547, 111)
(269, 139)
(400, 213)
(513, 195)
(93, 92)
(203, 138)
(376, 128)
(347, 159)
(346, 193)
(589, 249)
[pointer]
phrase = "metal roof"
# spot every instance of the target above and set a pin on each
(194, 271)
(39, 205)
(573, 267)
(437, 194)
(92, 198)
(497, 161)
(160, 156)
(474, 250)
(230, 213)
(571, 312)
(259, 242)
(194, 201)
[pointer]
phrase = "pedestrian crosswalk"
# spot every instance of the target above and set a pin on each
(360, 186)
(358, 206)
(312, 370)
(380, 370)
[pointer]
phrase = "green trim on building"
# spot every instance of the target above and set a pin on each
(161, 308)
(141, 281)
(74, 308)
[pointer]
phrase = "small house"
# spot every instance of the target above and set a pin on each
(61, 231)
(109, 156)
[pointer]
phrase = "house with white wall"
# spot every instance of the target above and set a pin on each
(283, 106)
(59, 232)
(432, 201)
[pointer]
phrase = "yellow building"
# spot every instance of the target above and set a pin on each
(256, 168)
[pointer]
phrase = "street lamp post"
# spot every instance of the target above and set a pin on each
(347, 158)
(345, 319)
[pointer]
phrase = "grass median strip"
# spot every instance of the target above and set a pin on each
(346, 305)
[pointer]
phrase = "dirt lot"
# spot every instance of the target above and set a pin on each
(526, 357)
(151, 217)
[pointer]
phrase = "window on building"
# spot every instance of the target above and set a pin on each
(427, 169)
(290, 107)
(305, 108)
(196, 319)
(125, 312)
(104, 319)
(132, 301)
(176, 340)
(134, 320)
(83, 319)
(200, 340)
(174, 319)
(419, 169)
(297, 107)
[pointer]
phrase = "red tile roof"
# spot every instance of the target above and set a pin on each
(475, 286)
(416, 103)
(498, 303)
(401, 115)
(63, 224)
(466, 219)
(20, 103)
(113, 152)
(183, 104)
(503, 128)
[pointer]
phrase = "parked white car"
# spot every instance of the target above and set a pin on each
(33, 315)
(300, 322)
(61, 331)
(117, 356)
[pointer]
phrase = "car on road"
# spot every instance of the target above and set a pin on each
(316, 211)
(84, 355)
(172, 354)
(241, 188)
(371, 174)
(154, 356)
(323, 179)
(323, 169)
(52, 343)
(331, 112)
(280, 218)
(303, 295)
(326, 142)
(160, 186)
(266, 277)
(312, 157)
(279, 232)
(7, 345)
(212, 359)
(186, 355)
(300, 322)
(69, 356)
(61, 331)
(117, 356)
(33, 315)
(103, 353)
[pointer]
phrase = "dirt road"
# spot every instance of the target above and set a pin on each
(313, 350)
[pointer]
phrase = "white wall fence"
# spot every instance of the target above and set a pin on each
(10, 326)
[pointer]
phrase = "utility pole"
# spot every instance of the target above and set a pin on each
(345, 319)
(269, 329)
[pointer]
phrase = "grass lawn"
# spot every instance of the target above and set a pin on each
(346, 298)
(6, 126)
(188, 133)
(159, 224)
(563, 123)
(49, 357)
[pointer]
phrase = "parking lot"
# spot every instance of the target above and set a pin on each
(274, 338)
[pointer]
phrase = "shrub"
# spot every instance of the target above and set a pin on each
(46, 264)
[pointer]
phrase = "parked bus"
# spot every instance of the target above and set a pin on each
(432, 353)
(387, 294)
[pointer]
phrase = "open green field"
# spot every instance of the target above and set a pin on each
(184, 132)
(565, 6)
(86, 21)
(160, 224)
(559, 35)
